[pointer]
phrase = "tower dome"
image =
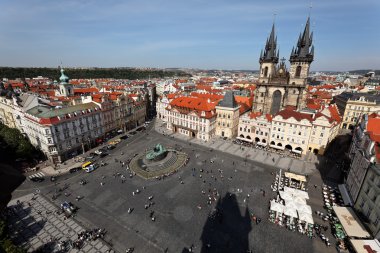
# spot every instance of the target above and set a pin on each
(63, 78)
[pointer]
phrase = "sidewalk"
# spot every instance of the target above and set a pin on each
(305, 165)
(74, 162)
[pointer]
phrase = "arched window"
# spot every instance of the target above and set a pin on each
(298, 71)
(266, 72)
(276, 102)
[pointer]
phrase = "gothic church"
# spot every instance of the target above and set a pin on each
(278, 87)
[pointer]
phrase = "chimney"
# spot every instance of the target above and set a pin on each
(208, 100)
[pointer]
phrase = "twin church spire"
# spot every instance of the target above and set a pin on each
(303, 52)
(270, 53)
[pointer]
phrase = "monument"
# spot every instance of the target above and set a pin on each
(158, 162)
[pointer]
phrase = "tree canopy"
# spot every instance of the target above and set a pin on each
(14, 145)
(74, 73)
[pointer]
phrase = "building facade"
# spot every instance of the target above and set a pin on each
(290, 130)
(62, 133)
(7, 115)
(299, 131)
(363, 180)
(255, 127)
(228, 113)
(192, 116)
(278, 87)
(353, 105)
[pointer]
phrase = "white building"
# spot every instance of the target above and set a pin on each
(63, 133)
(192, 116)
(255, 127)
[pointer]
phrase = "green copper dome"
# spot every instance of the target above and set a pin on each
(63, 78)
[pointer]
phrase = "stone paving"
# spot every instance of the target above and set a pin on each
(37, 226)
(305, 165)
(180, 222)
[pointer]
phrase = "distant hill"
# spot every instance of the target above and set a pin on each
(363, 71)
(83, 73)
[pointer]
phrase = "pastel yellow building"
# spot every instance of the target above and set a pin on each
(227, 120)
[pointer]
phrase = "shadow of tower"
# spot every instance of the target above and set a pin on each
(226, 230)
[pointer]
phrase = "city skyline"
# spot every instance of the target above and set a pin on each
(165, 34)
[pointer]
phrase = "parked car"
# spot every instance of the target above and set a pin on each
(114, 142)
(110, 147)
(98, 152)
(75, 169)
(37, 179)
(124, 137)
(103, 154)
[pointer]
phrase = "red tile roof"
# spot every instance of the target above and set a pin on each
(212, 97)
(245, 103)
(373, 128)
(254, 115)
(291, 113)
(335, 113)
(187, 104)
(85, 90)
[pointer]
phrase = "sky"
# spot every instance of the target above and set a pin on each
(205, 34)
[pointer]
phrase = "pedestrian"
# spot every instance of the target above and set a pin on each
(263, 193)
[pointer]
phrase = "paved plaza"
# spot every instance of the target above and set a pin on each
(35, 225)
(231, 182)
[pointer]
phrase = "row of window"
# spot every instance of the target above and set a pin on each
(184, 116)
(288, 139)
(290, 125)
(223, 115)
(359, 108)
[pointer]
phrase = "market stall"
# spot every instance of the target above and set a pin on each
(276, 212)
(296, 181)
(305, 223)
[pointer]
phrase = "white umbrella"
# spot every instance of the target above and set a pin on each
(285, 195)
(291, 212)
(305, 209)
(277, 207)
(308, 218)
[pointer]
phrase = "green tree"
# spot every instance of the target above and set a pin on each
(5, 243)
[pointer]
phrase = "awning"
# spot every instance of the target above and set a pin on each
(350, 222)
(297, 151)
(346, 197)
(244, 139)
(262, 144)
(365, 246)
(277, 147)
(296, 177)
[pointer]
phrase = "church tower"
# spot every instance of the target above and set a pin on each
(65, 88)
(301, 57)
(277, 88)
(269, 58)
